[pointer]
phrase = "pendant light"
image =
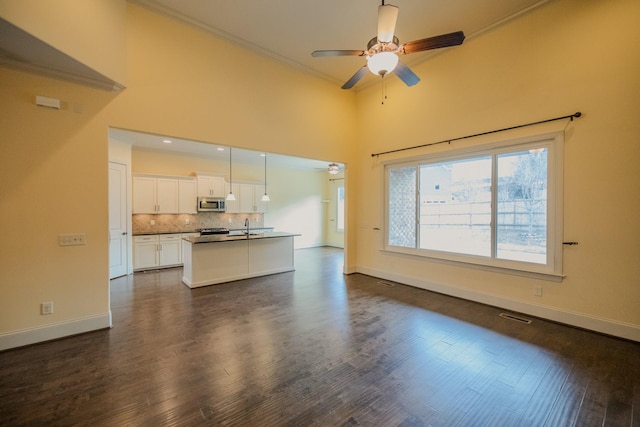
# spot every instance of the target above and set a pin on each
(334, 168)
(265, 197)
(230, 196)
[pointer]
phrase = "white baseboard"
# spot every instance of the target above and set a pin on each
(581, 320)
(53, 331)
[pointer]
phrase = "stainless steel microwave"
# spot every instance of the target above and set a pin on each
(211, 204)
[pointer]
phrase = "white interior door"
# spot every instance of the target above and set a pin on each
(117, 220)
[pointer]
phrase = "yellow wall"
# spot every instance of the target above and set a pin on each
(182, 81)
(53, 180)
(567, 56)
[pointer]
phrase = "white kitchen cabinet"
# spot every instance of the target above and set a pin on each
(233, 206)
(258, 204)
(164, 195)
(248, 198)
(187, 196)
(157, 251)
(145, 252)
(211, 185)
(155, 195)
(170, 250)
(144, 194)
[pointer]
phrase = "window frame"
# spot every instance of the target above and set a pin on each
(552, 269)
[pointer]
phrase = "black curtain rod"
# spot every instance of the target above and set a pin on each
(448, 141)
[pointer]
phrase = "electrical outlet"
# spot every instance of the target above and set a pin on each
(152, 222)
(72, 239)
(537, 291)
(46, 308)
(187, 222)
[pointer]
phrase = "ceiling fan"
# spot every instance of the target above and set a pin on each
(383, 50)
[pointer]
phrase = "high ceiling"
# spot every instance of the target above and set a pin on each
(289, 30)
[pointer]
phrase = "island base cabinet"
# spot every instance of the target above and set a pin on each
(271, 255)
(213, 263)
(207, 264)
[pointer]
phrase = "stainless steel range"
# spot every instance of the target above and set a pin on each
(210, 231)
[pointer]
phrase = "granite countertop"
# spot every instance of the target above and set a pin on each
(231, 230)
(216, 238)
(153, 233)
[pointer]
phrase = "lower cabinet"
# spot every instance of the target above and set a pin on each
(157, 251)
(170, 250)
(145, 252)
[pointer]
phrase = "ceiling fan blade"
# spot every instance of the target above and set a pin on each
(319, 53)
(355, 78)
(387, 17)
(437, 42)
(406, 75)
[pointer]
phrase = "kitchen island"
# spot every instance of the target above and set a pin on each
(209, 260)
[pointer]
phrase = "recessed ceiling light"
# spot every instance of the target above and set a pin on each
(263, 154)
(220, 149)
(166, 141)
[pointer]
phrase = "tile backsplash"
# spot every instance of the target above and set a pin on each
(167, 223)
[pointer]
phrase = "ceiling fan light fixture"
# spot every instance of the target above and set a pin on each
(382, 63)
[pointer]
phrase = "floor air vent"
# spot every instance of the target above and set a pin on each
(387, 284)
(515, 318)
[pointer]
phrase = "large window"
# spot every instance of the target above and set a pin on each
(498, 205)
(340, 208)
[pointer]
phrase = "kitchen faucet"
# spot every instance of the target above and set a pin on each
(246, 224)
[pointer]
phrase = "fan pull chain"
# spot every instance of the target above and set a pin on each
(384, 90)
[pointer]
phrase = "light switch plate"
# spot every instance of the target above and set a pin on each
(72, 239)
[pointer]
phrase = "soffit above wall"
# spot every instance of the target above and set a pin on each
(19, 49)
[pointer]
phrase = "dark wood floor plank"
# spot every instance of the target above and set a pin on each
(314, 347)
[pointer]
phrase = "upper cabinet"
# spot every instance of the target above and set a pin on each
(163, 195)
(187, 196)
(248, 199)
(157, 194)
(251, 198)
(210, 185)
(233, 206)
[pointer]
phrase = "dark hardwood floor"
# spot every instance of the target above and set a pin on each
(314, 347)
